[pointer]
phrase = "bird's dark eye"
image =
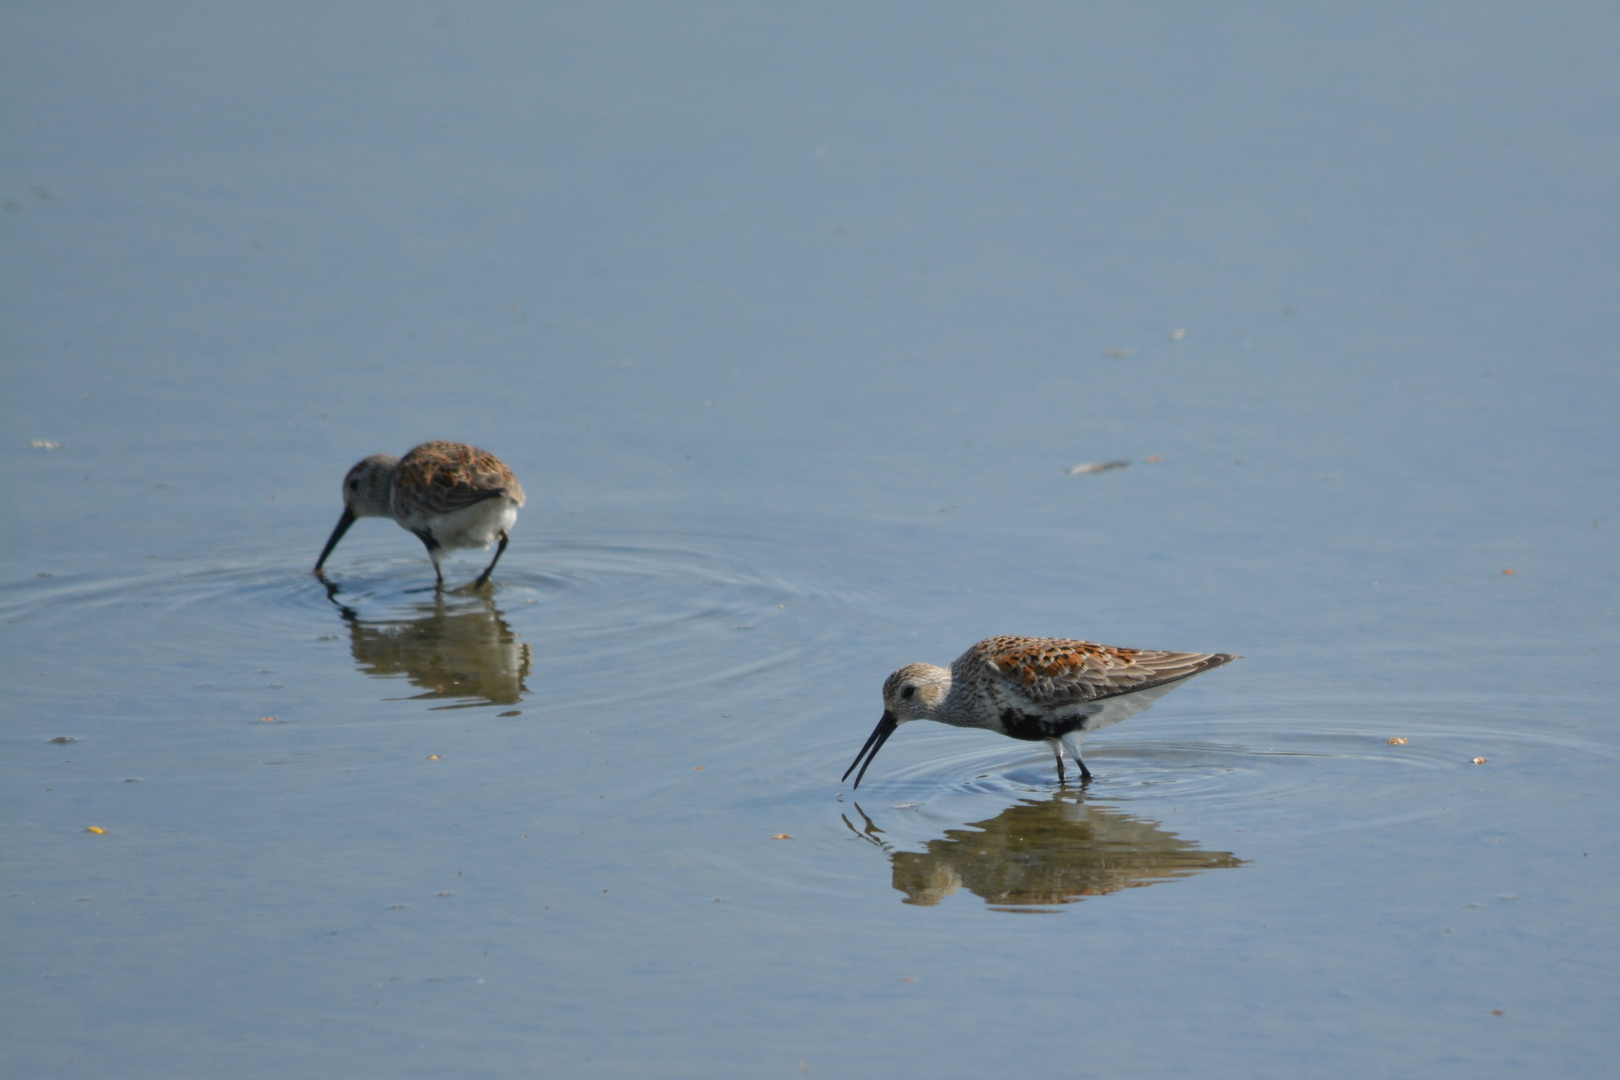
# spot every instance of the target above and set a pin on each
(908, 691)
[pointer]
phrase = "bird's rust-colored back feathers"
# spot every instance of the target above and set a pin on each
(443, 477)
(1054, 672)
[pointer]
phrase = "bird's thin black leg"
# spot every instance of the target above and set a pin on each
(500, 548)
(1057, 752)
(432, 546)
(1071, 742)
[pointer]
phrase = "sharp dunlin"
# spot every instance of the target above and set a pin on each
(1033, 689)
(450, 495)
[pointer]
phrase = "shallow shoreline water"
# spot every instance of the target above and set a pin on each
(794, 326)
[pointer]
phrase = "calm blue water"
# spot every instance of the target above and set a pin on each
(793, 324)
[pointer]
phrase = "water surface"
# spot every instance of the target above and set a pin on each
(794, 325)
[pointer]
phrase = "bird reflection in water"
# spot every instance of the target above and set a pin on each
(457, 647)
(1035, 854)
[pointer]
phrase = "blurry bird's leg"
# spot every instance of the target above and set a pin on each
(500, 549)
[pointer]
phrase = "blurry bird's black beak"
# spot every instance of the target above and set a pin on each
(337, 534)
(874, 743)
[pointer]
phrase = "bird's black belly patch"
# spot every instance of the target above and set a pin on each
(1034, 726)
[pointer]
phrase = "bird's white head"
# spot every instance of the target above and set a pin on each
(915, 691)
(367, 486)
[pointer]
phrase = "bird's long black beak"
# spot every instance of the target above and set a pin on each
(874, 743)
(337, 534)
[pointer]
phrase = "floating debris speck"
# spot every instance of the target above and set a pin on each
(1089, 467)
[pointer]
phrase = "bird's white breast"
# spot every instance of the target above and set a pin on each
(1113, 710)
(475, 526)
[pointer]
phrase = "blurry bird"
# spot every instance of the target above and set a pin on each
(450, 495)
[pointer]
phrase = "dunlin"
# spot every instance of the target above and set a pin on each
(450, 495)
(1033, 689)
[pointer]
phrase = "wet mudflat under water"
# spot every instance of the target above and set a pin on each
(794, 326)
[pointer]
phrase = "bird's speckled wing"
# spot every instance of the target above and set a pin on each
(443, 477)
(1054, 673)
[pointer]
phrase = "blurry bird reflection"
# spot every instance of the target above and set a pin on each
(457, 647)
(1038, 853)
